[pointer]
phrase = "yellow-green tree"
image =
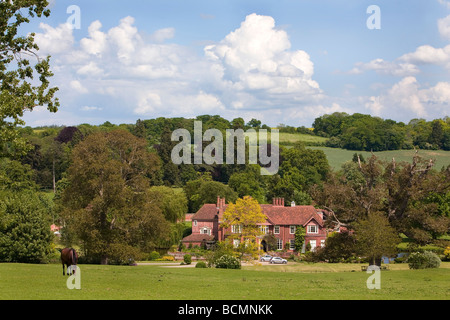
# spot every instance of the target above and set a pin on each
(244, 218)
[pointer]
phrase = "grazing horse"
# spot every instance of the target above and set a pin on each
(69, 258)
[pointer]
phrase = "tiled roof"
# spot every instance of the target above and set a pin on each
(206, 212)
(276, 215)
(298, 215)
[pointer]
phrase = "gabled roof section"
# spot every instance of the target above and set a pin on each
(207, 212)
(298, 215)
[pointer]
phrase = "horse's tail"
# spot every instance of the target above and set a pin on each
(74, 257)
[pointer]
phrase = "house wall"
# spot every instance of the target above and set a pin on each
(202, 224)
(286, 236)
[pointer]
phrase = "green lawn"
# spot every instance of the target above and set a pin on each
(294, 281)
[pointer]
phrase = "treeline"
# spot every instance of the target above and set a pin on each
(367, 133)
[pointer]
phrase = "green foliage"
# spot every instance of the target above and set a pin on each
(15, 176)
(204, 190)
(249, 182)
(172, 202)
(187, 259)
(200, 264)
(375, 237)
(423, 260)
(300, 169)
(339, 247)
(23, 85)
(107, 205)
(299, 239)
(364, 132)
(25, 235)
(228, 262)
(154, 255)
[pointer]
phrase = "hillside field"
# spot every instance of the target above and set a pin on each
(336, 156)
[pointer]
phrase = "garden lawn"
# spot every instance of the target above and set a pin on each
(291, 282)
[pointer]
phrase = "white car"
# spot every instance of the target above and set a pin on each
(266, 258)
(278, 260)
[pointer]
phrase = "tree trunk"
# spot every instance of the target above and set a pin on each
(375, 261)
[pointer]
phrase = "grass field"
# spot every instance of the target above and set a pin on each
(295, 281)
(336, 157)
(291, 138)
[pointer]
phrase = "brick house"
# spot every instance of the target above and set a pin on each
(281, 221)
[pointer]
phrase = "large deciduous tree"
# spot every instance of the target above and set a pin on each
(407, 193)
(107, 205)
(24, 76)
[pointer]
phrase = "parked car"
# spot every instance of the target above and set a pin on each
(266, 258)
(278, 260)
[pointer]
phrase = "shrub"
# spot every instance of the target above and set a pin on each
(154, 255)
(187, 259)
(228, 262)
(447, 253)
(200, 264)
(166, 258)
(427, 259)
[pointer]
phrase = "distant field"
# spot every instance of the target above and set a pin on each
(336, 157)
(291, 138)
(295, 281)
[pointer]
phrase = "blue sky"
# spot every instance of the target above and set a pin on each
(285, 61)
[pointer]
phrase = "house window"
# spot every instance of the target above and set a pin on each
(292, 244)
(264, 229)
(236, 228)
(195, 223)
(205, 230)
(236, 243)
(276, 229)
(312, 243)
(322, 243)
(279, 244)
(312, 228)
(292, 229)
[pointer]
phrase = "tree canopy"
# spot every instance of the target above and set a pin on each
(107, 204)
(24, 76)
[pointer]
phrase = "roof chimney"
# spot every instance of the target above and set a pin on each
(278, 202)
(218, 202)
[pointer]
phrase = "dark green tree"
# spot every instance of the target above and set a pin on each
(106, 206)
(25, 234)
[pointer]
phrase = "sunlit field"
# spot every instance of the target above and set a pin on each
(294, 281)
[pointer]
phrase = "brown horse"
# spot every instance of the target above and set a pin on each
(69, 258)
